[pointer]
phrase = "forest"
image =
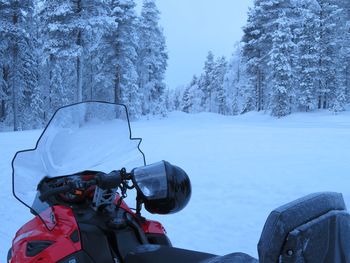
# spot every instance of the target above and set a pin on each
(294, 56)
(54, 53)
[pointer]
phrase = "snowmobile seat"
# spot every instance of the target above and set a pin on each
(233, 258)
(324, 239)
(156, 253)
(312, 229)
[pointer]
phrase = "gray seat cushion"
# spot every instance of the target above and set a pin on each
(233, 258)
(286, 218)
(325, 239)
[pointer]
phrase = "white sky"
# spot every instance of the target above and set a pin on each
(193, 27)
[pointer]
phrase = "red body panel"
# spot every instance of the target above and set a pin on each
(61, 222)
(36, 230)
(153, 227)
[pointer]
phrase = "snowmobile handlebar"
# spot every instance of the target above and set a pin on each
(53, 191)
(67, 184)
(109, 181)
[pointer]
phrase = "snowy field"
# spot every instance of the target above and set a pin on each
(241, 168)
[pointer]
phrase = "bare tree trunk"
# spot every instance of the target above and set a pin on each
(14, 79)
(117, 87)
(91, 79)
(2, 109)
(258, 91)
(14, 90)
(79, 95)
(2, 101)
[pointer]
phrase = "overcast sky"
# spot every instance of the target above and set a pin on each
(193, 27)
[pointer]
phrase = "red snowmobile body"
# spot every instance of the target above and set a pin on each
(67, 242)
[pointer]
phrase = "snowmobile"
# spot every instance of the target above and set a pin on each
(85, 164)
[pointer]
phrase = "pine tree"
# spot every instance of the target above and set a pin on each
(233, 81)
(169, 100)
(281, 79)
(4, 61)
(177, 97)
(328, 53)
(98, 49)
(187, 100)
(192, 97)
(18, 70)
(252, 51)
(218, 85)
(6, 32)
(344, 24)
(62, 52)
(205, 83)
(308, 59)
(258, 41)
(340, 94)
(152, 59)
(126, 77)
(3, 89)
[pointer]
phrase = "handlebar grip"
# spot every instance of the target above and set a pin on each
(44, 196)
(109, 181)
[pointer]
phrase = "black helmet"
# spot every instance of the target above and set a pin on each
(163, 188)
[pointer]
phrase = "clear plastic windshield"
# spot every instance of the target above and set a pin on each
(85, 136)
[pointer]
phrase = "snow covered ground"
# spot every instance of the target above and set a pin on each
(241, 168)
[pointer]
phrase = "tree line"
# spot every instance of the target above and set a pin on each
(53, 53)
(294, 56)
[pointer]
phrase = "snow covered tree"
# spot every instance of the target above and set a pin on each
(152, 59)
(345, 46)
(233, 82)
(126, 77)
(80, 47)
(219, 99)
(341, 93)
(192, 97)
(281, 79)
(17, 63)
(205, 82)
(187, 100)
(169, 100)
(257, 39)
(4, 68)
(328, 52)
(62, 52)
(98, 49)
(308, 59)
(177, 96)
(252, 55)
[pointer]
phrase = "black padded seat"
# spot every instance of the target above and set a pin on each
(165, 254)
(233, 258)
(324, 239)
(288, 218)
